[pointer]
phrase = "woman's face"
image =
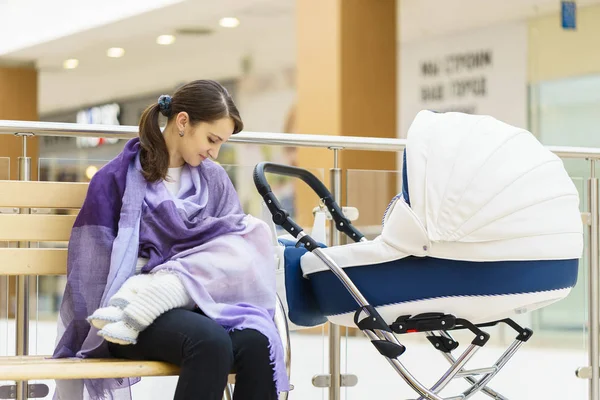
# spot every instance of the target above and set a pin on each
(204, 140)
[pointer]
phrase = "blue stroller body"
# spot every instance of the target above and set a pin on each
(487, 227)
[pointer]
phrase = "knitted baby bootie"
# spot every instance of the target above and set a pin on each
(120, 333)
(106, 315)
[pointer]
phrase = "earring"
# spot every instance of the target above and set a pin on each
(180, 133)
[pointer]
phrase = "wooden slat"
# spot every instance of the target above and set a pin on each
(35, 228)
(24, 368)
(33, 261)
(42, 194)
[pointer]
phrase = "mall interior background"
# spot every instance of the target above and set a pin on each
(511, 59)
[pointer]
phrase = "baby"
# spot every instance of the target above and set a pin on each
(141, 299)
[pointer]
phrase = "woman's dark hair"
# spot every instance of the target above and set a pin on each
(203, 100)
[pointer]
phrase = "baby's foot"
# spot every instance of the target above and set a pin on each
(106, 315)
(120, 333)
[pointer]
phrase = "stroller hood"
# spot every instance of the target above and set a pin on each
(483, 189)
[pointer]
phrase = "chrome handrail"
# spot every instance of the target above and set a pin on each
(265, 138)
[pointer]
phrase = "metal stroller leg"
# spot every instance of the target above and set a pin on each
(524, 335)
(407, 376)
(488, 391)
(499, 364)
(446, 344)
(455, 369)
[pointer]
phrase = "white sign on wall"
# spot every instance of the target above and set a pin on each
(477, 72)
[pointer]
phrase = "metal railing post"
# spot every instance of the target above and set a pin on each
(594, 338)
(22, 282)
(334, 330)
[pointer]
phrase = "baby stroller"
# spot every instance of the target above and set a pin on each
(487, 226)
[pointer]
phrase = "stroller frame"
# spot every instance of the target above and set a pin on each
(383, 336)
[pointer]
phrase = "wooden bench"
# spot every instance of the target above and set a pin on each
(42, 226)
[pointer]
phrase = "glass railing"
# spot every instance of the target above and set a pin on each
(560, 329)
(558, 347)
(7, 299)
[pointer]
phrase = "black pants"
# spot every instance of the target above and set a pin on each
(206, 354)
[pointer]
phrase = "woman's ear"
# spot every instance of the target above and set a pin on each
(182, 120)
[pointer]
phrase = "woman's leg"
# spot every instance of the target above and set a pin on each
(252, 365)
(197, 344)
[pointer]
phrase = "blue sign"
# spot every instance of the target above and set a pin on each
(568, 11)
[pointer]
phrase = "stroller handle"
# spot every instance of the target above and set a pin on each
(281, 216)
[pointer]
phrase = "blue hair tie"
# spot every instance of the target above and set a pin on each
(164, 104)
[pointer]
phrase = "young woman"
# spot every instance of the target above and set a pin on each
(164, 214)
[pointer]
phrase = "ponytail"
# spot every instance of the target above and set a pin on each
(154, 155)
(202, 100)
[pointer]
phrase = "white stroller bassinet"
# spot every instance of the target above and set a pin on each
(487, 226)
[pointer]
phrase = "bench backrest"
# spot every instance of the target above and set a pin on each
(38, 226)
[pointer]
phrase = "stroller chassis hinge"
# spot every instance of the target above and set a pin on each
(323, 381)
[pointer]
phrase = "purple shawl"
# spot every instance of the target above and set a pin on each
(223, 256)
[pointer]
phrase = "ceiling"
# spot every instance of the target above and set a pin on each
(264, 41)
(265, 35)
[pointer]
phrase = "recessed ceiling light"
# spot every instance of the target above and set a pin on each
(229, 22)
(165, 39)
(115, 52)
(71, 63)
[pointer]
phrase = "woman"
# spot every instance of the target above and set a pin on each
(162, 206)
